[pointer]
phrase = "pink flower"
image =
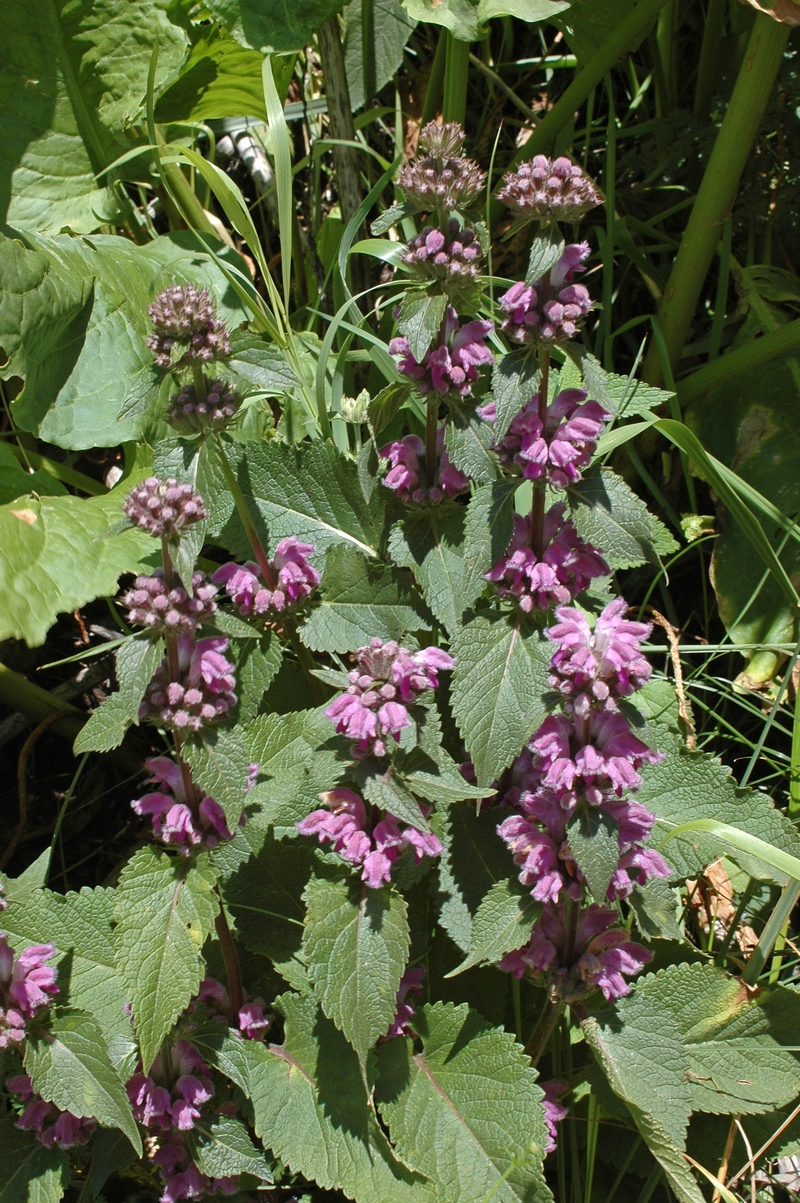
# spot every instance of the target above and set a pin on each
(566, 568)
(548, 189)
(165, 508)
(560, 448)
(151, 605)
(452, 365)
(174, 820)
(51, 1126)
(203, 693)
(26, 985)
(410, 984)
(293, 579)
(554, 1109)
(407, 473)
(548, 312)
(594, 668)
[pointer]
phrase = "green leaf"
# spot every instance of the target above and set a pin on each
(620, 395)
(439, 781)
(224, 1149)
(356, 944)
(219, 78)
(137, 661)
(69, 1066)
(466, 1109)
(255, 363)
(386, 404)
(311, 1109)
(640, 1049)
(54, 558)
(31, 1173)
(468, 438)
(15, 481)
(525, 10)
(689, 786)
(311, 492)
(431, 545)
(460, 17)
(90, 65)
(81, 927)
(498, 682)
(474, 860)
(165, 910)
(281, 744)
(609, 515)
(390, 217)
(655, 905)
(594, 844)
(487, 531)
(274, 29)
(255, 671)
(361, 600)
(388, 790)
(220, 768)
(546, 250)
(420, 319)
(111, 1151)
(73, 320)
(373, 49)
(515, 378)
(502, 923)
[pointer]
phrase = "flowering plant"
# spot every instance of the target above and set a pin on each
(411, 776)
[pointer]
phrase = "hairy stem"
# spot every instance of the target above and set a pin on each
(245, 517)
(228, 950)
(545, 1026)
(431, 430)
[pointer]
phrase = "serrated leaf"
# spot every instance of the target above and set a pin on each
(390, 217)
(255, 671)
(619, 395)
(609, 515)
(225, 1049)
(31, 1173)
(165, 910)
(500, 676)
(487, 530)
(386, 404)
(502, 923)
(69, 1065)
(224, 1149)
(136, 661)
(546, 250)
(388, 790)
(655, 906)
(255, 363)
(54, 558)
(356, 945)
(373, 42)
(111, 1151)
(734, 1039)
(466, 1109)
(419, 319)
(431, 544)
(468, 439)
(295, 769)
(82, 928)
(311, 1109)
(220, 768)
(686, 786)
(515, 378)
(473, 861)
(310, 491)
(594, 844)
(360, 601)
(438, 779)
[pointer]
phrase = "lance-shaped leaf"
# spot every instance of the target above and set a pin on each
(311, 1109)
(503, 923)
(419, 320)
(686, 786)
(361, 600)
(474, 860)
(609, 515)
(498, 682)
(468, 439)
(31, 1173)
(431, 544)
(356, 944)
(220, 768)
(165, 910)
(224, 1149)
(256, 669)
(618, 394)
(466, 1109)
(515, 378)
(487, 530)
(136, 660)
(593, 842)
(69, 1065)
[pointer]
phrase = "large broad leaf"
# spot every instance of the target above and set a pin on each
(373, 48)
(609, 515)
(487, 530)
(69, 1066)
(220, 768)
(54, 558)
(475, 861)
(165, 911)
(273, 28)
(465, 18)
(431, 544)
(502, 923)
(31, 1173)
(640, 1049)
(73, 320)
(311, 1108)
(500, 676)
(733, 1038)
(466, 1109)
(16, 481)
(311, 492)
(361, 600)
(73, 77)
(686, 786)
(218, 79)
(224, 1149)
(356, 944)
(81, 927)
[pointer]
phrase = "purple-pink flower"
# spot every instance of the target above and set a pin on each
(410, 984)
(554, 1109)
(164, 508)
(407, 474)
(293, 579)
(567, 565)
(53, 1127)
(387, 680)
(548, 189)
(451, 366)
(599, 754)
(593, 668)
(561, 448)
(551, 310)
(203, 693)
(344, 822)
(152, 605)
(27, 984)
(177, 821)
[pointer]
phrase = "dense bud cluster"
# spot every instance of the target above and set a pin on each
(203, 693)
(152, 605)
(294, 579)
(452, 365)
(407, 472)
(184, 319)
(361, 838)
(551, 310)
(560, 448)
(27, 984)
(548, 190)
(567, 565)
(189, 413)
(451, 259)
(164, 508)
(440, 179)
(387, 680)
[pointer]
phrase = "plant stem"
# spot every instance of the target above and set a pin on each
(228, 950)
(431, 430)
(730, 366)
(717, 192)
(545, 1026)
(456, 73)
(539, 487)
(250, 531)
(199, 381)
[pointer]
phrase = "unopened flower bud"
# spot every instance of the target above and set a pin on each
(164, 507)
(549, 190)
(191, 414)
(185, 321)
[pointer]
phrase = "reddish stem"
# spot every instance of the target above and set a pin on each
(228, 950)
